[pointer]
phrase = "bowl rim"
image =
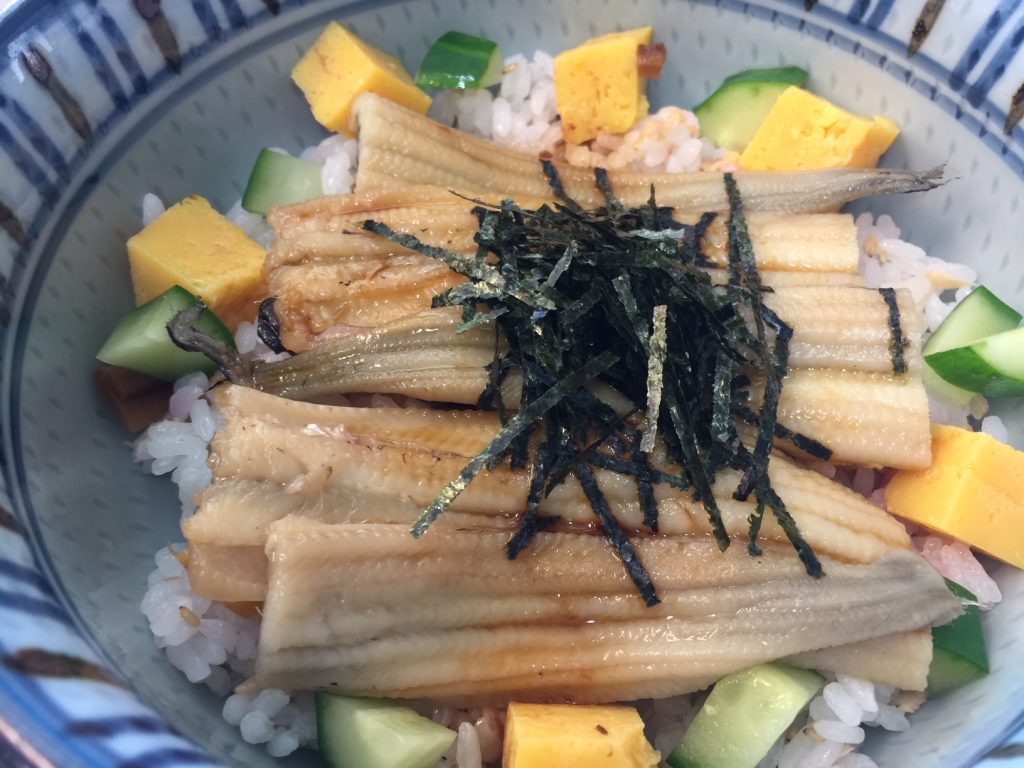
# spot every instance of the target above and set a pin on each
(973, 109)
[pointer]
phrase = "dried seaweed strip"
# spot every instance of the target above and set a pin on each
(633, 468)
(567, 287)
(765, 442)
(562, 264)
(474, 268)
(624, 294)
(657, 349)
(605, 185)
(694, 468)
(897, 339)
(476, 319)
(525, 419)
(808, 445)
(555, 182)
(723, 418)
(529, 527)
(743, 271)
(530, 524)
(754, 521)
(581, 306)
(497, 370)
(693, 239)
(768, 496)
(645, 485)
(613, 532)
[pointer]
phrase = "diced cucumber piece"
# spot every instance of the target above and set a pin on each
(980, 314)
(458, 60)
(963, 635)
(950, 671)
(732, 114)
(279, 179)
(140, 342)
(993, 366)
(744, 716)
(373, 733)
(943, 390)
(960, 655)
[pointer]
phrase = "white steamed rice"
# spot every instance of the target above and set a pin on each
(336, 156)
(179, 444)
(215, 646)
(523, 115)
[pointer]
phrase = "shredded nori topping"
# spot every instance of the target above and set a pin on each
(527, 417)
(555, 182)
(604, 296)
(897, 340)
(657, 348)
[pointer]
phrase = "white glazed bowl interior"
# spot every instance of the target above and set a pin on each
(98, 520)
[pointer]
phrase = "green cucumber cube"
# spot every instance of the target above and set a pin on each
(140, 341)
(960, 655)
(992, 366)
(744, 715)
(458, 60)
(732, 114)
(279, 179)
(374, 733)
(979, 315)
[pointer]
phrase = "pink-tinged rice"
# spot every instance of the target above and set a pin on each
(523, 115)
(955, 561)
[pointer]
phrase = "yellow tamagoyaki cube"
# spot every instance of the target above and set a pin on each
(973, 491)
(803, 131)
(576, 736)
(193, 246)
(340, 66)
(598, 85)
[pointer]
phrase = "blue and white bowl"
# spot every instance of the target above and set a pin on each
(104, 100)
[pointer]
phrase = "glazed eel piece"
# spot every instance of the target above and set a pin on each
(367, 610)
(275, 457)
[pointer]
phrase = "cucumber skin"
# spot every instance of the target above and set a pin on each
(460, 61)
(140, 342)
(732, 114)
(964, 635)
(943, 390)
(803, 685)
(950, 671)
(731, 118)
(266, 189)
(788, 75)
(979, 315)
(956, 332)
(341, 747)
(960, 655)
(967, 368)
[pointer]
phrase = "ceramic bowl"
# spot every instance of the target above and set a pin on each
(104, 100)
